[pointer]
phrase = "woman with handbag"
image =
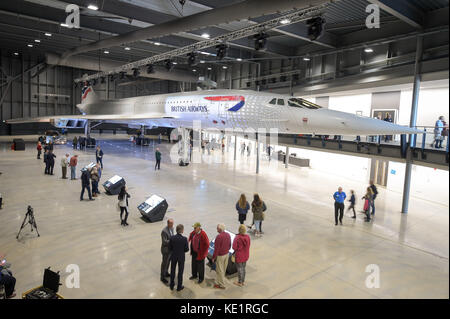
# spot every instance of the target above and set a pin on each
(242, 207)
(258, 209)
(123, 204)
(241, 247)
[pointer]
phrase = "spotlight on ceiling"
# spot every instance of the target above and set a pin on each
(64, 25)
(92, 7)
(368, 50)
(37, 41)
(192, 59)
(315, 27)
(306, 58)
(16, 53)
(150, 69)
(157, 43)
(285, 21)
(30, 45)
(136, 72)
(106, 52)
(221, 51)
(224, 67)
(205, 35)
(260, 41)
(47, 34)
(168, 64)
(127, 48)
(239, 59)
(209, 68)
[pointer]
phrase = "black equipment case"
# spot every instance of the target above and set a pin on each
(49, 289)
(19, 144)
(153, 209)
(114, 185)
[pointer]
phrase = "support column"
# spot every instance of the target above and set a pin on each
(412, 123)
(87, 129)
(257, 153)
(286, 161)
(235, 147)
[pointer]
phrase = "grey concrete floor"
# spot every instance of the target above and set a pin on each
(302, 254)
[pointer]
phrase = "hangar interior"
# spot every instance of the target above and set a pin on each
(398, 68)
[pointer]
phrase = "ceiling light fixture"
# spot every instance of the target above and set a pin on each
(205, 35)
(106, 52)
(239, 59)
(127, 48)
(16, 53)
(224, 67)
(64, 25)
(37, 41)
(202, 61)
(285, 21)
(368, 50)
(157, 43)
(306, 59)
(47, 34)
(209, 68)
(30, 45)
(93, 7)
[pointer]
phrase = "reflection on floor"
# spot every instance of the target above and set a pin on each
(301, 254)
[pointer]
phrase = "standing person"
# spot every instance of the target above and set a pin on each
(73, 165)
(51, 161)
(159, 138)
(249, 149)
(368, 198)
(258, 209)
(438, 128)
(7, 279)
(75, 143)
(374, 195)
(339, 198)
(123, 204)
(223, 146)
(242, 149)
(99, 156)
(166, 234)
(352, 201)
(208, 147)
(158, 159)
(64, 164)
(241, 247)
(47, 166)
(39, 150)
(1, 200)
(85, 185)
(94, 181)
(199, 249)
(388, 118)
(222, 245)
(178, 246)
(242, 207)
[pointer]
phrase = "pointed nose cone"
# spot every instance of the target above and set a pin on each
(379, 127)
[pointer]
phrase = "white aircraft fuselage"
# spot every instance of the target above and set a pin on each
(236, 110)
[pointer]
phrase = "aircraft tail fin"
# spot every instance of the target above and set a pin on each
(88, 95)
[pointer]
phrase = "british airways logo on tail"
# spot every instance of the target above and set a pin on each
(229, 98)
(85, 91)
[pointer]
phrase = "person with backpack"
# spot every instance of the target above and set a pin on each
(123, 205)
(258, 209)
(242, 207)
(375, 193)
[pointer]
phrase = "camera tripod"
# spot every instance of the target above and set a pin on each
(29, 218)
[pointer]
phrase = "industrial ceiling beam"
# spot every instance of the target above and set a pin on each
(401, 9)
(242, 10)
(293, 17)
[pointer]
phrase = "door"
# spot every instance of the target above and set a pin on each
(379, 171)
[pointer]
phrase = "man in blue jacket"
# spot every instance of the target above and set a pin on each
(339, 198)
(99, 156)
(178, 246)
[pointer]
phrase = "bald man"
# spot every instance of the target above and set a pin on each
(339, 198)
(166, 234)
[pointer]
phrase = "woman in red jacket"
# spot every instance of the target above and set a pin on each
(241, 247)
(39, 150)
(199, 250)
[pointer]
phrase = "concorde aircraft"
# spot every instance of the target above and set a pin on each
(242, 110)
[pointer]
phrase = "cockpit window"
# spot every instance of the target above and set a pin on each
(280, 102)
(301, 103)
(273, 101)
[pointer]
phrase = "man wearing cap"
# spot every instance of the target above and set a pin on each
(199, 250)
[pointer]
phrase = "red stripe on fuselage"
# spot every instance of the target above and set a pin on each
(225, 98)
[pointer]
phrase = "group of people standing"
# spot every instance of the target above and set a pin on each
(440, 132)
(174, 246)
(247, 148)
(369, 203)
